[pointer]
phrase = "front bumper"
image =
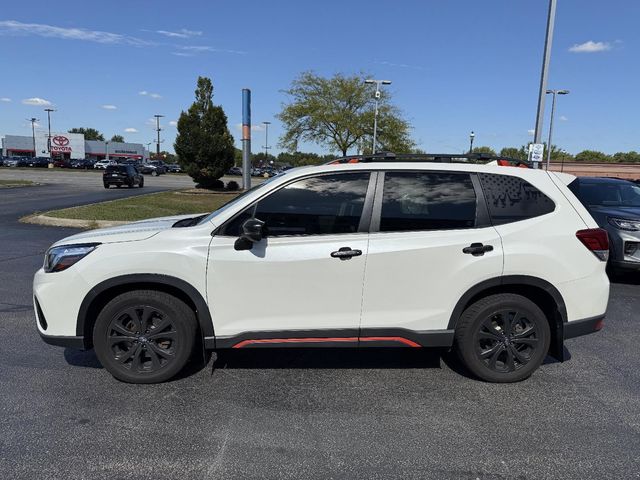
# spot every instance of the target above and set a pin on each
(577, 328)
(61, 341)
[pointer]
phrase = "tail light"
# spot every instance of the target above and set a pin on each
(596, 240)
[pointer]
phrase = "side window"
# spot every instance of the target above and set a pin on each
(511, 199)
(427, 201)
(327, 204)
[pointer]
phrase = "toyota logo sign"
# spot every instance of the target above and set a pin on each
(61, 141)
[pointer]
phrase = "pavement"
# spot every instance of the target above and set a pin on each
(303, 413)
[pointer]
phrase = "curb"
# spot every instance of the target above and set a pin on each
(69, 222)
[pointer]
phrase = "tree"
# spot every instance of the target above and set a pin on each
(592, 156)
(626, 157)
(338, 113)
(486, 150)
(89, 133)
(117, 138)
(261, 159)
(514, 152)
(204, 144)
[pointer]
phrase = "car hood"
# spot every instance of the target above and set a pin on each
(600, 213)
(129, 232)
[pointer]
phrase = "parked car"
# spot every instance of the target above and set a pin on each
(154, 168)
(501, 264)
(235, 171)
(102, 164)
(62, 163)
(173, 168)
(16, 162)
(615, 205)
(82, 164)
(120, 175)
(38, 162)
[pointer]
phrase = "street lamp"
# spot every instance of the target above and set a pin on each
(266, 140)
(33, 121)
(158, 129)
(148, 149)
(377, 96)
(471, 137)
(106, 155)
(49, 110)
(553, 109)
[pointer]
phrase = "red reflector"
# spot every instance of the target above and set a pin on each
(594, 238)
(599, 325)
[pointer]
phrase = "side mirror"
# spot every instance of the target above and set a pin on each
(253, 230)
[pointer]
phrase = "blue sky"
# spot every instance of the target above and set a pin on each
(456, 65)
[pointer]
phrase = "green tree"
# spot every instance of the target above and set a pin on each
(338, 113)
(592, 156)
(626, 157)
(514, 152)
(117, 138)
(485, 150)
(204, 144)
(89, 133)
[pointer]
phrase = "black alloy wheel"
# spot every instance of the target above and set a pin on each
(502, 338)
(144, 336)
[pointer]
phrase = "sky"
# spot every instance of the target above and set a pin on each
(456, 65)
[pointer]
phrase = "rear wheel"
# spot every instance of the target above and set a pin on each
(502, 338)
(144, 336)
(106, 185)
(141, 184)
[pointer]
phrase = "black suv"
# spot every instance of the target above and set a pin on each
(119, 175)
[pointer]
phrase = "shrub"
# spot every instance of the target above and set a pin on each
(233, 186)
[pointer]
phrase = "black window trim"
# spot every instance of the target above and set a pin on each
(482, 219)
(365, 218)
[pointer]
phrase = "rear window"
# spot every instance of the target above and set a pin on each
(607, 194)
(510, 199)
(117, 168)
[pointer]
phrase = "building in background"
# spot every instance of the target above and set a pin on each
(70, 146)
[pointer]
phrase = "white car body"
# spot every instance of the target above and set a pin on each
(102, 164)
(406, 287)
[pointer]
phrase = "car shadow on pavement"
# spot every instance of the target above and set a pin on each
(81, 358)
(625, 278)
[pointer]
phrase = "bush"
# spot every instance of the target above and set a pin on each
(233, 186)
(212, 185)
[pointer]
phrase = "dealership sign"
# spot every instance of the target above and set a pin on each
(69, 144)
(60, 143)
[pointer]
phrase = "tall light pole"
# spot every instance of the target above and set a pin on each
(33, 121)
(551, 17)
(49, 110)
(266, 141)
(471, 137)
(553, 110)
(106, 155)
(377, 96)
(158, 129)
(148, 148)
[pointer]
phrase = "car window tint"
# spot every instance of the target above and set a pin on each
(328, 204)
(427, 201)
(510, 199)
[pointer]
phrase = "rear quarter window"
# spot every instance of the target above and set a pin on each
(511, 199)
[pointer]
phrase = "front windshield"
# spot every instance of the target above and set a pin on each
(232, 202)
(610, 194)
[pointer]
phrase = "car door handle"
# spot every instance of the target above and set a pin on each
(477, 249)
(345, 253)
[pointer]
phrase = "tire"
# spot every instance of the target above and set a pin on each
(106, 185)
(141, 184)
(143, 356)
(131, 184)
(118, 185)
(494, 356)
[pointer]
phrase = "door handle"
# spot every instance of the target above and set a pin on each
(477, 249)
(345, 253)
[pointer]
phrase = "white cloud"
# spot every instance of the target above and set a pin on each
(400, 65)
(109, 107)
(173, 123)
(563, 118)
(130, 130)
(143, 92)
(182, 54)
(36, 102)
(206, 48)
(5, 99)
(12, 27)
(590, 47)
(182, 33)
(531, 132)
(155, 95)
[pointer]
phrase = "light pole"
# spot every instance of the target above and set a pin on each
(266, 141)
(553, 110)
(148, 149)
(33, 121)
(106, 155)
(471, 137)
(49, 110)
(158, 129)
(551, 16)
(377, 96)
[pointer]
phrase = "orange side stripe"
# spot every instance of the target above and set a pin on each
(263, 341)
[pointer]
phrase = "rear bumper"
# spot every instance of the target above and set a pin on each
(64, 341)
(578, 328)
(625, 265)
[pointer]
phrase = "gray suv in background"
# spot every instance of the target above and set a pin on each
(615, 205)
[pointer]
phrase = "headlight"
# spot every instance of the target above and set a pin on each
(624, 224)
(60, 258)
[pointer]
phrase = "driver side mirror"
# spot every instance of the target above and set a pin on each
(253, 230)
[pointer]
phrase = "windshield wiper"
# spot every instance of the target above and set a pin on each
(188, 222)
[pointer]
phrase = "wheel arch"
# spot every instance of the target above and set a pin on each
(539, 291)
(100, 295)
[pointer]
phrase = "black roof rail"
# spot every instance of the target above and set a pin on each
(475, 158)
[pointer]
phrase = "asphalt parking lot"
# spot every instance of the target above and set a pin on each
(302, 414)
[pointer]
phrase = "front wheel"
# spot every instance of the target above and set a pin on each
(141, 184)
(502, 338)
(106, 185)
(144, 336)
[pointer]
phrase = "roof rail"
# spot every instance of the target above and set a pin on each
(475, 158)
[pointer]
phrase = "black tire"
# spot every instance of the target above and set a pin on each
(118, 185)
(141, 184)
(502, 338)
(106, 185)
(125, 341)
(131, 184)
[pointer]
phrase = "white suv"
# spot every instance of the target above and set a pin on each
(502, 264)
